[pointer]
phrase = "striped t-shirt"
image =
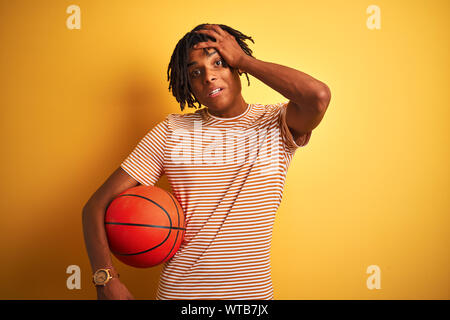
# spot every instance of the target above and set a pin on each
(228, 175)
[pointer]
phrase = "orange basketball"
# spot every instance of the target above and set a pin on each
(144, 226)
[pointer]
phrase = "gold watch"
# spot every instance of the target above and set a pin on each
(102, 276)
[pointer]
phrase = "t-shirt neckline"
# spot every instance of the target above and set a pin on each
(232, 118)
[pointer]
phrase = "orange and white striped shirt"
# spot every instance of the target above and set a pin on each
(228, 175)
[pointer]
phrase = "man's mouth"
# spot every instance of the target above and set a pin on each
(215, 92)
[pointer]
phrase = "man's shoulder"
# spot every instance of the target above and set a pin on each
(266, 111)
(274, 107)
(183, 120)
(189, 115)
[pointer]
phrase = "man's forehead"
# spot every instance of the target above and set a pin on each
(194, 53)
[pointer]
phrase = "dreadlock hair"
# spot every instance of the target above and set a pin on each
(177, 74)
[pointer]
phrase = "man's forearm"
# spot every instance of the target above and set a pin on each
(95, 238)
(292, 84)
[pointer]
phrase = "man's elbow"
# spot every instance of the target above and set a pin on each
(324, 97)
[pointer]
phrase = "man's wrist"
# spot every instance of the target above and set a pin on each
(243, 62)
(107, 285)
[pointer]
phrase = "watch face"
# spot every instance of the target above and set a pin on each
(100, 276)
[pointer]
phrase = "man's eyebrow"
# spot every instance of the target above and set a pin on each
(195, 62)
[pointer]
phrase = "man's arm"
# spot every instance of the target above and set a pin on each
(95, 235)
(308, 97)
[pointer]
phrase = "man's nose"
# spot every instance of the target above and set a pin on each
(210, 75)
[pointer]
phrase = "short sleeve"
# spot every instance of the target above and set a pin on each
(146, 162)
(291, 145)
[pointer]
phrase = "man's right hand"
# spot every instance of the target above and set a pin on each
(114, 290)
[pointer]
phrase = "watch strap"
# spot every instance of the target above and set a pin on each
(113, 272)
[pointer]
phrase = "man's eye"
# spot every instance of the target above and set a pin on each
(197, 72)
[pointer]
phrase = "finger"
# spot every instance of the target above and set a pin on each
(210, 32)
(205, 44)
(218, 29)
(209, 27)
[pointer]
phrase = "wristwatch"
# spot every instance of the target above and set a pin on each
(102, 276)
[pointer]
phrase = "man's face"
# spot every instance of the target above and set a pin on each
(207, 71)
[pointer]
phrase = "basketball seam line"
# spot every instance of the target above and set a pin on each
(144, 225)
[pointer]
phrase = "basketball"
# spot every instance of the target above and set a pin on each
(144, 226)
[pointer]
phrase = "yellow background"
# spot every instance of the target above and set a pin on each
(370, 188)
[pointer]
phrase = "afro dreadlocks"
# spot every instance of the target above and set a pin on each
(177, 74)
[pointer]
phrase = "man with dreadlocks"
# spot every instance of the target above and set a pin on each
(226, 164)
